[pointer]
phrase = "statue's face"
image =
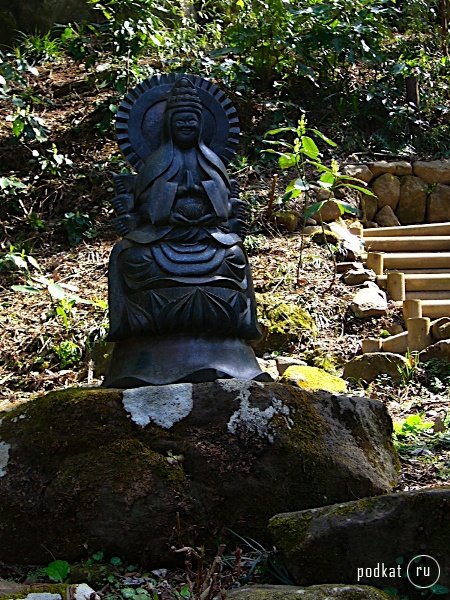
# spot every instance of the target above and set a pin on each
(185, 128)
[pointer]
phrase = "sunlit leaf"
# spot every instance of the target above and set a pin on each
(324, 138)
(311, 210)
(309, 147)
(279, 130)
(18, 127)
(327, 178)
(345, 207)
(26, 289)
(55, 290)
(287, 160)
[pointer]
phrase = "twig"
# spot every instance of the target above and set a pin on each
(272, 196)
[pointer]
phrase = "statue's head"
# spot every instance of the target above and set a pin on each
(183, 117)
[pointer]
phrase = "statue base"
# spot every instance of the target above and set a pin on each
(160, 360)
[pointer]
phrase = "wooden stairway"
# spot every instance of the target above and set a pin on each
(412, 264)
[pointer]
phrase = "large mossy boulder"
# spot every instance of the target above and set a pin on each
(371, 541)
(136, 472)
(315, 592)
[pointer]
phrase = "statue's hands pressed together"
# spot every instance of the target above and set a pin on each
(123, 203)
(124, 224)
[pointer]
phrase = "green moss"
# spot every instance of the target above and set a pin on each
(283, 317)
(329, 237)
(287, 218)
(314, 592)
(291, 530)
(350, 508)
(281, 322)
(39, 588)
(314, 378)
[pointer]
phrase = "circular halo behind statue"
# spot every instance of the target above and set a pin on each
(140, 116)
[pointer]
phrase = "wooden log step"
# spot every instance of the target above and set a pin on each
(436, 308)
(408, 230)
(421, 260)
(421, 282)
(423, 271)
(411, 244)
(428, 295)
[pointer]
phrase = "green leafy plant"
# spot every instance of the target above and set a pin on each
(411, 426)
(26, 124)
(78, 226)
(12, 186)
(57, 570)
(68, 353)
(18, 261)
(51, 161)
(302, 152)
(437, 375)
(409, 368)
(38, 48)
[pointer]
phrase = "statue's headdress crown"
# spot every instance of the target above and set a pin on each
(184, 96)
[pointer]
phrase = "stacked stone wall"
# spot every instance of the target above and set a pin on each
(405, 193)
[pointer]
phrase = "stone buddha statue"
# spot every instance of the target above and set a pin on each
(181, 298)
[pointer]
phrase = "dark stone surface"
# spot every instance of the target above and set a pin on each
(138, 471)
(315, 592)
(345, 543)
(179, 281)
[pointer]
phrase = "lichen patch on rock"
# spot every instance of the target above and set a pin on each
(162, 405)
(4, 457)
(250, 418)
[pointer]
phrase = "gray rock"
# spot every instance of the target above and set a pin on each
(43, 596)
(284, 362)
(440, 350)
(369, 301)
(369, 205)
(398, 168)
(434, 171)
(343, 267)
(347, 542)
(10, 588)
(386, 217)
(83, 591)
(358, 276)
(372, 364)
(440, 329)
(82, 473)
(361, 172)
(413, 200)
(370, 225)
(438, 210)
(387, 189)
(330, 211)
(315, 592)
(268, 366)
